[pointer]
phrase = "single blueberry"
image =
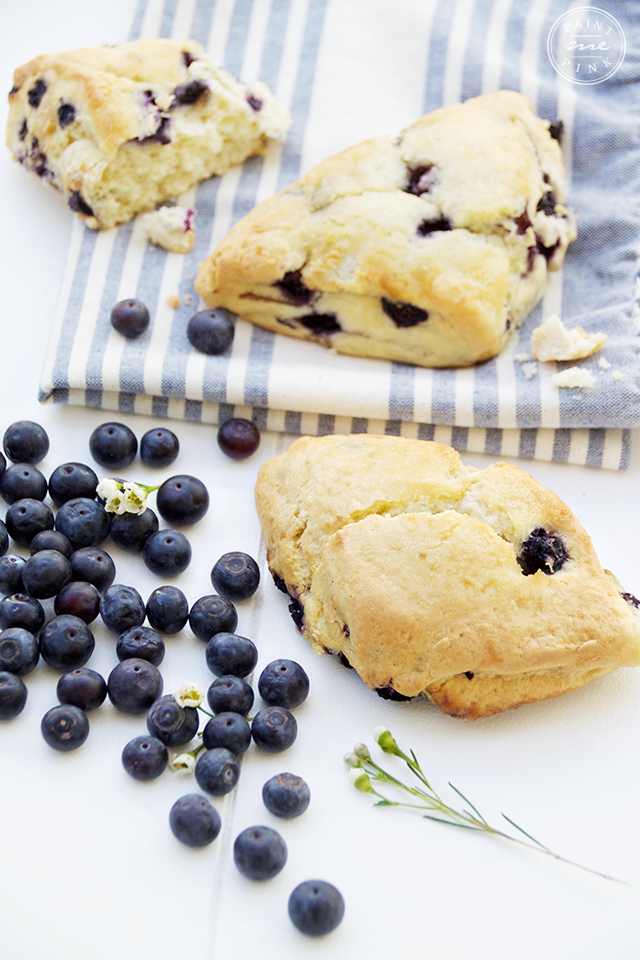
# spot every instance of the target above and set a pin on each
(228, 730)
(78, 204)
(83, 521)
(130, 531)
(51, 540)
(556, 129)
(161, 134)
(159, 447)
(435, 225)
(230, 694)
(13, 695)
(189, 93)
(388, 693)
(19, 651)
(94, 566)
(211, 331)
(46, 573)
(25, 518)
(80, 599)
(194, 820)
(11, 567)
(171, 723)
(167, 553)
(37, 92)
(25, 442)
(316, 907)
(286, 795)
(66, 642)
(72, 480)
(182, 500)
(293, 287)
(283, 683)
(238, 438)
(113, 445)
(420, 180)
(133, 685)
(20, 610)
(145, 758)
(167, 609)
(22, 480)
(66, 114)
(274, 729)
(82, 688)
(228, 653)
(65, 727)
(235, 576)
(142, 642)
(122, 607)
(254, 102)
(403, 314)
(321, 324)
(210, 615)
(217, 771)
(259, 853)
(542, 551)
(547, 204)
(130, 318)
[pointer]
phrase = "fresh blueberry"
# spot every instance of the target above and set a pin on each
(145, 758)
(130, 531)
(274, 729)
(159, 447)
(259, 853)
(70, 481)
(542, 551)
(167, 553)
(228, 730)
(283, 683)
(20, 610)
(65, 727)
(51, 540)
(236, 576)
(210, 615)
(167, 609)
(228, 653)
(4, 538)
(133, 685)
(80, 599)
(316, 907)
(82, 688)
(230, 694)
(45, 574)
(122, 607)
(83, 521)
(19, 651)
(182, 500)
(286, 795)
(172, 723)
(94, 566)
(238, 438)
(194, 820)
(142, 642)
(11, 567)
(13, 696)
(211, 331)
(25, 518)
(66, 642)
(217, 771)
(113, 445)
(130, 318)
(25, 442)
(22, 480)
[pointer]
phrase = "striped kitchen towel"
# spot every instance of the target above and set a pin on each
(348, 70)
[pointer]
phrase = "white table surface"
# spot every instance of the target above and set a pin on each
(89, 867)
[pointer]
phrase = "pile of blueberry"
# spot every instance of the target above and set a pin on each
(67, 564)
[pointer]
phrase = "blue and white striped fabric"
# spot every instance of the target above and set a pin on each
(348, 70)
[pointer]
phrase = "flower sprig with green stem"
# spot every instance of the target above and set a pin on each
(363, 770)
(124, 496)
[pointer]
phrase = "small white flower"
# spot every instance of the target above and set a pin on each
(183, 763)
(133, 498)
(187, 695)
(107, 488)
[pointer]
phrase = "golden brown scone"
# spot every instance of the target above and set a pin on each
(119, 129)
(429, 249)
(478, 588)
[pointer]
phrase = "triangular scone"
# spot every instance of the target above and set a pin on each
(118, 129)
(429, 249)
(478, 588)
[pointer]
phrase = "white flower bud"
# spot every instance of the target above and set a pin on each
(187, 695)
(360, 780)
(183, 763)
(351, 760)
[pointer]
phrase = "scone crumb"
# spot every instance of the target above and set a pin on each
(603, 363)
(521, 357)
(553, 341)
(616, 375)
(530, 370)
(173, 301)
(187, 299)
(574, 378)
(170, 227)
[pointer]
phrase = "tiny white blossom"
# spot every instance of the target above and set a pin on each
(187, 695)
(107, 488)
(183, 763)
(133, 498)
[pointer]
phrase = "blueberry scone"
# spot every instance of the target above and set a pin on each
(119, 129)
(429, 249)
(478, 588)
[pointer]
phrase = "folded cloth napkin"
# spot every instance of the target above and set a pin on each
(348, 70)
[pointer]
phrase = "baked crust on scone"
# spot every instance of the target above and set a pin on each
(478, 588)
(119, 129)
(428, 250)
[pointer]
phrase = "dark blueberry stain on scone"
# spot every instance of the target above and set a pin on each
(23, 131)
(321, 324)
(343, 660)
(160, 136)
(37, 160)
(420, 180)
(279, 582)
(522, 223)
(556, 129)
(293, 287)
(149, 98)
(436, 225)
(78, 205)
(13, 91)
(547, 203)
(547, 252)
(297, 613)
(189, 93)
(542, 551)
(188, 58)
(66, 114)
(254, 102)
(388, 693)
(532, 253)
(346, 631)
(37, 92)
(469, 674)
(629, 597)
(403, 314)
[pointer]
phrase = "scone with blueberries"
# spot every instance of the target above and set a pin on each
(477, 588)
(429, 249)
(120, 129)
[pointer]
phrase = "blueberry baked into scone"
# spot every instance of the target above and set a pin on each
(119, 129)
(477, 588)
(429, 249)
